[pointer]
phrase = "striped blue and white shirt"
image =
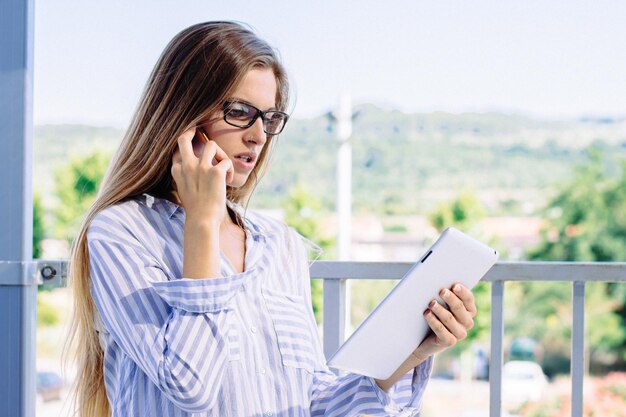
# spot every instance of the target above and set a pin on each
(240, 345)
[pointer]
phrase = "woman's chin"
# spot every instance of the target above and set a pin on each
(238, 181)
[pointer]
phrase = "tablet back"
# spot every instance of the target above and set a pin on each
(397, 325)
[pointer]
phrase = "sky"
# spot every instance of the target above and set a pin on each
(546, 59)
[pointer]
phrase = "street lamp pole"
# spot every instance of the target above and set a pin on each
(343, 118)
(344, 177)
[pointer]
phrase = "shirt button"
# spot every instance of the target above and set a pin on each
(262, 371)
(241, 289)
(269, 414)
(253, 329)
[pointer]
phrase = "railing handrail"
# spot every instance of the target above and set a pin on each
(501, 271)
(38, 270)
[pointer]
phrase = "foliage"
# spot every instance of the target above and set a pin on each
(38, 225)
(47, 315)
(76, 187)
(587, 216)
(541, 311)
(463, 212)
(586, 221)
(302, 212)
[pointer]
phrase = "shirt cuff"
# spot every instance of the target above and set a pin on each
(421, 376)
(208, 295)
(419, 379)
(386, 398)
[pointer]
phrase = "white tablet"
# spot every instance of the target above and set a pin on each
(397, 325)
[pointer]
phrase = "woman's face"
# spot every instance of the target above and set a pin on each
(243, 145)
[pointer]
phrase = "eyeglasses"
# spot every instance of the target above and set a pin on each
(244, 115)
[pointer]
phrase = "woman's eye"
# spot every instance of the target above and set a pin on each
(275, 117)
(239, 112)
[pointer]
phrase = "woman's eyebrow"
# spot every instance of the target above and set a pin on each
(240, 100)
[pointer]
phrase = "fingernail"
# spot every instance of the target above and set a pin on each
(443, 292)
(456, 288)
(432, 303)
(426, 312)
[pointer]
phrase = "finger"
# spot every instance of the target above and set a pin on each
(466, 296)
(208, 153)
(176, 172)
(212, 154)
(185, 146)
(220, 155)
(216, 155)
(443, 336)
(449, 321)
(457, 307)
(226, 166)
(177, 157)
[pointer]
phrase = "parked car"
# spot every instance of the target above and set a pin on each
(522, 381)
(49, 386)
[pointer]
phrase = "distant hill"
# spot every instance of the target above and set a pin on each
(402, 163)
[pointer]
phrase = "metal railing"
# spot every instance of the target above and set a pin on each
(335, 275)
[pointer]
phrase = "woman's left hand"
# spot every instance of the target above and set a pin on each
(449, 324)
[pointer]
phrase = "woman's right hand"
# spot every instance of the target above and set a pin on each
(200, 180)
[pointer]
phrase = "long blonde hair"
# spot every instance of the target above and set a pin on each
(198, 70)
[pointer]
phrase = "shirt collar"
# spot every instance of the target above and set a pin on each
(161, 205)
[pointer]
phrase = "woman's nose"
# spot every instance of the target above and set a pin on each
(256, 133)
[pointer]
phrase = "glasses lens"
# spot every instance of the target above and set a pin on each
(239, 114)
(273, 122)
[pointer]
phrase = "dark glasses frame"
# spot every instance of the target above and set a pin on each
(259, 113)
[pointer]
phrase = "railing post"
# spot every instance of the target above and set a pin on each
(334, 315)
(18, 289)
(497, 335)
(578, 347)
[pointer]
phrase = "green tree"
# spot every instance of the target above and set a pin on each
(76, 187)
(463, 212)
(38, 226)
(586, 221)
(302, 212)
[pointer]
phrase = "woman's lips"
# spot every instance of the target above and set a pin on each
(245, 161)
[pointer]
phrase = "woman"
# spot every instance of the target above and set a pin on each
(185, 303)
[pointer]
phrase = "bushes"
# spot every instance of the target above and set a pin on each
(47, 315)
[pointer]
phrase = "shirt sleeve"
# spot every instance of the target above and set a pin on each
(352, 394)
(160, 324)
